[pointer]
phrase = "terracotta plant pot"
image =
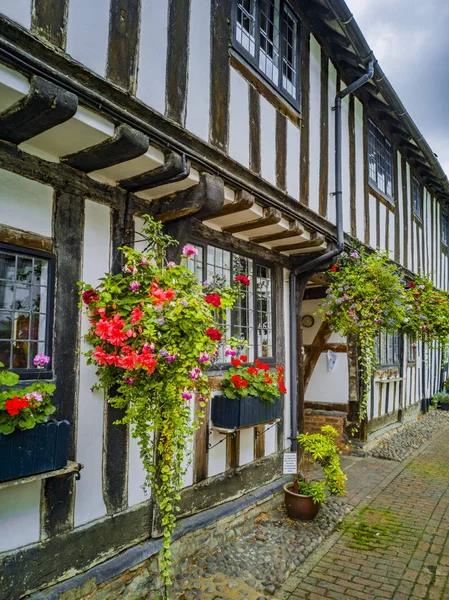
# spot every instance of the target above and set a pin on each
(298, 506)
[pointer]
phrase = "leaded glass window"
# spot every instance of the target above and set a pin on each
(417, 198)
(25, 301)
(444, 228)
(266, 34)
(388, 349)
(380, 160)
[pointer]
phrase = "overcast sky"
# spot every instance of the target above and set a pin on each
(411, 42)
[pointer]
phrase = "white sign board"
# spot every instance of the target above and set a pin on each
(290, 464)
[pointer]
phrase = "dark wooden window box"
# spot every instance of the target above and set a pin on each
(38, 450)
(243, 412)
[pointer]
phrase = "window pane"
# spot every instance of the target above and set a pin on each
(264, 312)
(20, 355)
(289, 53)
(245, 26)
(7, 266)
(5, 353)
(218, 269)
(269, 39)
(21, 326)
(24, 269)
(6, 295)
(5, 325)
(380, 160)
(195, 263)
(242, 317)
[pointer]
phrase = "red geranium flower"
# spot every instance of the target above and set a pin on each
(160, 296)
(136, 315)
(213, 334)
(235, 378)
(243, 358)
(213, 299)
(334, 268)
(90, 296)
(243, 280)
(263, 366)
(241, 383)
(252, 371)
(411, 285)
(236, 362)
(15, 404)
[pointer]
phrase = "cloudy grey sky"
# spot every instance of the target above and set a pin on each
(411, 42)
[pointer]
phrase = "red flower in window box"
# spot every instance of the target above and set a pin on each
(213, 334)
(236, 362)
(15, 404)
(243, 280)
(213, 299)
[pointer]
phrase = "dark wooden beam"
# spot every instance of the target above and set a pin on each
(177, 58)
(294, 230)
(315, 293)
(26, 239)
(315, 240)
(232, 451)
(281, 150)
(175, 168)
(254, 130)
(322, 336)
(45, 106)
(58, 494)
(49, 21)
(126, 143)
(220, 78)
(204, 200)
(243, 201)
(271, 216)
(124, 23)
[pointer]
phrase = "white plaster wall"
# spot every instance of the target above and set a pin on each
(331, 210)
(197, 120)
(409, 219)
(19, 515)
(383, 215)
(345, 164)
(359, 170)
(400, 208)
(372, 221)
(391, 241)
(268, 140)
(270, 439)
(293, 159)
(18, 11)
(217, 455)
(314, 124)
(88, 33)
(89, 503)
(25, 204)
(153, 53)
(239, 119)
(329, 387)
(246, 446)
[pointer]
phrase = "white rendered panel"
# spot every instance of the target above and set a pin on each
(314, 124)
(153, 53)
(360, 159)
(293, 158)
(216, 455)
(89, 503)
(268, 140)
(400, 208)
(329, 387)
(271, 437)
(345, 164)
(409, 218)
(13, 87)
(239, 119)
(372, 221)
(391, 226)
(188, 462)
(246, 446)
(383, 216)
(20, 515)
(88, 33)
(18, 11)
(25, 204)
(197, 120)
(331, 210)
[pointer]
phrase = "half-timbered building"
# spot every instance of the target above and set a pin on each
(219, 118)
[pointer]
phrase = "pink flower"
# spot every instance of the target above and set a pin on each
(186, 396)
(189, 250)
(134, 285)
(41, 360)
(144, 261)
(204, 357)
(171, 264)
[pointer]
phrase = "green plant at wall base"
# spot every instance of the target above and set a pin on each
(153, 330)
(365, 295)
(321, 448)
(315, 489)
(23, 408)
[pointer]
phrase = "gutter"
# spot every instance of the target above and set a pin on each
(297, 390)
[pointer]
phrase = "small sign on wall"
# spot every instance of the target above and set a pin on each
(290, 463)
(331, 360)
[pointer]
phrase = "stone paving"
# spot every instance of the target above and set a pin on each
(395, 544)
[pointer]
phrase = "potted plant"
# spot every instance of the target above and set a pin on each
(29, 443)
(303, 498)
(251, 395)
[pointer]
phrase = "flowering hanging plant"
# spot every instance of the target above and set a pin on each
(365, 295)
(153, 330)
(427, 312)
(24, 408)
(244, 379)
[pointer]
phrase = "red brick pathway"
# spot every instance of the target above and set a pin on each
(395, 544)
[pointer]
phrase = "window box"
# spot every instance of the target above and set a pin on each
(243, 412)
(43, 448)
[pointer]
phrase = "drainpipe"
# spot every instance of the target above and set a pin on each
(298, 284)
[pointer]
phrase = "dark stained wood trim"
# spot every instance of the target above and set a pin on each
(58, 494)
(279, 323)
(315, 240)
(281, 151)
(304, 52)
(177, 60)
(381, 197)
(232, 451)
(405, 211)
(316, 348)
(259, 441)
(124, 25)
(26, 239)
(335, 347)
(397, 234)
(49, 21)
(294, 230)
(176, 167)
(328, 407)
(365, 178)
(315, 293)
(220, 73)
(352, 167)
(324, 135)
(200, 440)
(243, 201)
(254, 130)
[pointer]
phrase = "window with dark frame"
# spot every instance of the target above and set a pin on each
(411, 351)
(387, 349)
(380, 160)
(444, 227)
(251, 318)
(266, 33)
(26, 299)
(417, 195)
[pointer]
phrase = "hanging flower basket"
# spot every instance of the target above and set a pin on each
(32, 451)
(243, 412)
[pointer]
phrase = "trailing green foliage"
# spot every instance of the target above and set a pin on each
(315, 489)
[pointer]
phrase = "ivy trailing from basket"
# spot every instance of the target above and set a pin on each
(153, 330)
(365, 295)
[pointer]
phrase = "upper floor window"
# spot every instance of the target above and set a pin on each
(380, 160)
(417, 197)
(444, 228)
(26, 295)
(265, 32)
(251, 318)
(387, 349)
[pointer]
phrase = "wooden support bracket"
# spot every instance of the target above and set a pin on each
(175, 168)
(271, 216)
(294, 230)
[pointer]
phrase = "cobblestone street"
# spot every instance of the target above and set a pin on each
(395, 543)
